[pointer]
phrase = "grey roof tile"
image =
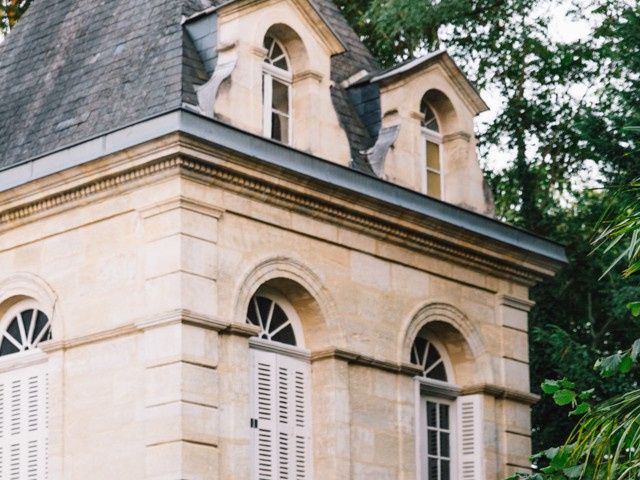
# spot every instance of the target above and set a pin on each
(75, 69)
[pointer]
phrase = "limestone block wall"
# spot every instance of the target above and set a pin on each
(149, 361)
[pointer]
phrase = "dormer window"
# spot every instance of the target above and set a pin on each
(433, 181)
(277, 80)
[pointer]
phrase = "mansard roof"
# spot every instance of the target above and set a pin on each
(75, 69)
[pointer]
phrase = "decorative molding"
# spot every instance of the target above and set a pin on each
(226, 46)
(515, 302)
(184, 203)
(365, 361)
(504, 393)
(173, 317)
(56, 345)
(308, 74)
(85, 191)
(450, 137)
(280, 195)
(280, 348)
(23, 359)
(441, 389)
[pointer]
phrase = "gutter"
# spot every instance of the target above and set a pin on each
(274, 153)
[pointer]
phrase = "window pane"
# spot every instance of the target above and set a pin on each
(432, 414)
(444, 417)
(432, 442)
(433, 469)
(278, 319)
(444, 445)
(7, 348)
(433, 156)
(280, 128)
(282, 63)
(433, 185)
(286, 335)
(264, 307)
(438, 373)
(445, 469)
(252, 316)
(281, 97)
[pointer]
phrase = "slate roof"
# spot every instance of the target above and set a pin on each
(75, 69)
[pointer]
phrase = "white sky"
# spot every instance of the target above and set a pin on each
(562, 28)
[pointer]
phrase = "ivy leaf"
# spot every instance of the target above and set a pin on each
(608, 366)
(566, 384)
(581, 409)
(625, 364)
(634, 308)
(574, 472)
(564, 397)
(550, 386)
(586, 394)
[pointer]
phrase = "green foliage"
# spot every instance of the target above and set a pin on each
(10, 13)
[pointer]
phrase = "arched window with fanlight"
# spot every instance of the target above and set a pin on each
(450, 445)
(280, 402)
(433, 184)
(277, 80)
(23, 392)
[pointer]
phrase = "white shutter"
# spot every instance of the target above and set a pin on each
(263, 418)
(470, 450)
(293, 419)
(24, 424)
(281, 417)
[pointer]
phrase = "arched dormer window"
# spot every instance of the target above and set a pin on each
(433, 177)
(277, 79)
(23, 329)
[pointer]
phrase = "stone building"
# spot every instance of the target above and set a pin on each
(233, 247)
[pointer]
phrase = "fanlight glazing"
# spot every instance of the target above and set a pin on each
(429, 120)
(275, 325)
(427, 356)
(276, 54)
(24, 332)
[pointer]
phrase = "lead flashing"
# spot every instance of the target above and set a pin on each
(276, 154)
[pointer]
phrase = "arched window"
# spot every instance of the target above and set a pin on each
(280, 402)
(433, 178)
(275, 325)
(450, 426)
(425, 354)
(277, 79)
(24, 330)
(24, 385)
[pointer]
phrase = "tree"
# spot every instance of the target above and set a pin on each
(605, 443)
(553, 139)
(10, 13)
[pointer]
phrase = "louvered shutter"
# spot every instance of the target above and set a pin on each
(293, 419)
(470, 437)
(281, 417)
(264, 422)
(24, 424)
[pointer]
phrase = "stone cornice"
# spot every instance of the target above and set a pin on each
(501, 392)
(375, 223)
(365, 360)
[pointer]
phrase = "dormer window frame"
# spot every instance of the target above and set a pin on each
(273, 75)
(435, 138)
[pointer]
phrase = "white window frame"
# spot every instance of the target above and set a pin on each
(269, 74)
(23, 367)
(434, 137)
(297, 353)
(12, 313)
(427, 396)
